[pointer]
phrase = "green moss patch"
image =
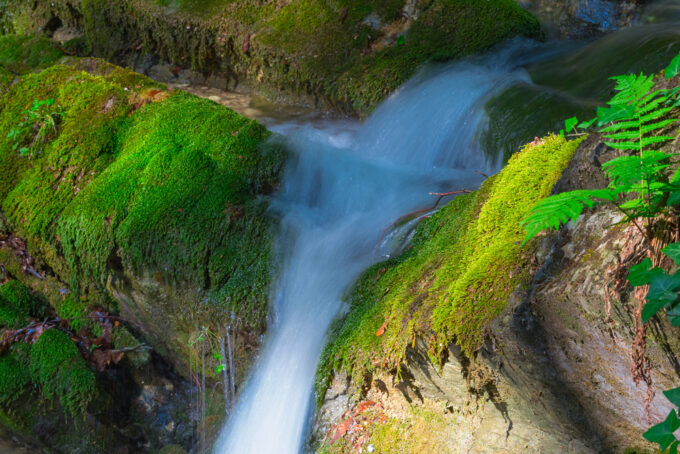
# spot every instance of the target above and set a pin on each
(142, 181)
(18, 304)
(349, 53)
(56, 364)
(14, 379)
(23, 53)
(464, 262)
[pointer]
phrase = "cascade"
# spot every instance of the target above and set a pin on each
(344, 185)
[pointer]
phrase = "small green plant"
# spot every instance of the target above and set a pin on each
(663, 287)
(662, 295)
(39, 126)
(641, 186)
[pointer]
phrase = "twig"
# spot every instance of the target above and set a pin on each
(34, 273)
(413, 214)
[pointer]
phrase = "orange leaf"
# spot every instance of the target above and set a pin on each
(381, 331)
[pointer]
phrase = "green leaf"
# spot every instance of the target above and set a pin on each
(587, 124)
(552, 211)
(641, 274)
(614, 113)
(662, 433)
(570, 124)
(673, 395)
(673, 69)
(662, 283)
(401, 40)
(673, 251)
(673, 199)
(652, 307)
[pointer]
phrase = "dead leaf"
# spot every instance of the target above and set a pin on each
(381, 331)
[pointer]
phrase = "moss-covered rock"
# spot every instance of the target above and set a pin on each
(18, 304)
(14, 379)
(21, 53)
(57, 365)
(142, 197)
(464, 262)
(349, 54)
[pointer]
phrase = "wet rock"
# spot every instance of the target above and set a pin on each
(583, 18)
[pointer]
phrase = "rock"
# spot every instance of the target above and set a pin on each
(300, 59)
(554, 374)
(216, 81)
(189, 77)
(583, 18)
(162, 73)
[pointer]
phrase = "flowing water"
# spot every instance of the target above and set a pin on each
(348, 181)
(344, 185)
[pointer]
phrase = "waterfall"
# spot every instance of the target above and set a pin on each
(344, 185)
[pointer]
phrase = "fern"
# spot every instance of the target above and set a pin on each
(553, 211)
(634, 120)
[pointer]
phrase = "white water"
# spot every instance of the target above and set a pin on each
(344, 186)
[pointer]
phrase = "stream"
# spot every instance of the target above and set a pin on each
(347, 181)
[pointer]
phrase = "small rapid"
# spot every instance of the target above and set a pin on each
(345, 183)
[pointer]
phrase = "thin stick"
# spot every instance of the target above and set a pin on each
(417, 212)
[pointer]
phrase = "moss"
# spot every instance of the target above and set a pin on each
(172, 449)
(18, 304)
(464, 262)
(14, 379)
(416, 430)
(318, 49)
(74, 310)
(424, 431)
(158, 185)
(6, 78)
(56, 364)
(23, 53)
(179, 199)
(447, 29)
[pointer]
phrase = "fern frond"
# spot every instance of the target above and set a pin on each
(625, 135)
(652, 101)
(655, 139)
(624, 145)
(622, 125)
(629, 171)
(631, 88)
(551, 212)
(646, 129)
(654, 115)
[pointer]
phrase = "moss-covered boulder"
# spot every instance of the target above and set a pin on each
(349, 54)
(456, 277)
(142, 201)
(473, 341)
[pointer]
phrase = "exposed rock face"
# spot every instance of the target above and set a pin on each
(555, 372)
(583, 18)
